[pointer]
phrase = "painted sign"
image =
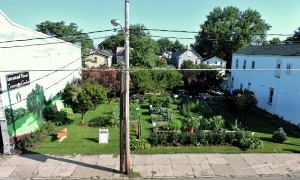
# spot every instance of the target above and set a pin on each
(17, 80)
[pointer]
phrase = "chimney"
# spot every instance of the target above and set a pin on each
(186, 47)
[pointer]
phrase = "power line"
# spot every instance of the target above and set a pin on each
(144, 69)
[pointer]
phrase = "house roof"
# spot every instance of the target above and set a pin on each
(102, 52)
(121, 51)
(280, 50)
(215, 57)
(180, 52)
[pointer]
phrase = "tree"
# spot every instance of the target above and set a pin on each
(85, 97)
(197, 81)
(155, 80)
(275, 41)
(69, 33)
(165, 44)
(144, 53)
(244, 100)
(295, 38)
(177, 46)
(112, 42)
(227, 30)
(108, 77)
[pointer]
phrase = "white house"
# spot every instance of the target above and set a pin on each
(120, 54)
(216, 63)
(187, 54)
(99, 57)
(272, 72)
(30, 60)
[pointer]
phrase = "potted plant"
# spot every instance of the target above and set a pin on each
(192, 122)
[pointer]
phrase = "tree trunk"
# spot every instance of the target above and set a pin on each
(82, 118)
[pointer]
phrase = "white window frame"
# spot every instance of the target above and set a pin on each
(271, 96)
(236, 63)
(253, 65)
(288, 69)
(245, 63)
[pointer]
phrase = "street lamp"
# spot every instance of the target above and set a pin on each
(125, 97)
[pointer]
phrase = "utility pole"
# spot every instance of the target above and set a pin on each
(124, 98)
(127, 129)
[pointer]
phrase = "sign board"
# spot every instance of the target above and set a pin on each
(103, 136)
(17, 80)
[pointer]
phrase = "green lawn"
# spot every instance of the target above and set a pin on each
(84, 139)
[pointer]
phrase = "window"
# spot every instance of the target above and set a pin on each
(216, 62)
(253, 65)
(278, 68)
(271, 95)
(189, 53)
(249, 86)
(241, 86)
(236, 64)
(221, 63)
(207, 62)
(288, 69)
(232, 81)
(95, 59)
(244, 65)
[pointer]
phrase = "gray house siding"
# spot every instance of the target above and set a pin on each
(183, 55)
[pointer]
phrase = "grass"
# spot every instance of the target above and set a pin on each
(84, 139)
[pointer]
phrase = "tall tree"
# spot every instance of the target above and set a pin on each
(165, 44)
(228, 30)
(177, 46)
(199, 81)
(275, 41)
(85, 97)
(144, 53)
(295, 38)
(112, 42)
(108, 77)
(69, 33)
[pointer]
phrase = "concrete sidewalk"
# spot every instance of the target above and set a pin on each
(40, 166)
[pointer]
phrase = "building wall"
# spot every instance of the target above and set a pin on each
(188, 55)
(41, 58)
(286, 96)
(101, 60)
(216, 62)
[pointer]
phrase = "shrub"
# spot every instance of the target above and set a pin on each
(153, 139)
(173, 138)
(162, 139)
(219, 138)
(202, 139)
(183, 138)
(175, 124)
(139, 144)
(193, 139)
(68, 111)
(99, 122)
(279, 136)
(252, 143)
(209, 138)
(230, 137)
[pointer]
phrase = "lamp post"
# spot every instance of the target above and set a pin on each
(125, 97)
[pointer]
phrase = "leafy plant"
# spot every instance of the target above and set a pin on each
(174, 137)
(153, 139)
(279, 136)
(163, 139)
(139, 144)
(115, 116)
(99, 122)
(68, 111)
(174, 124)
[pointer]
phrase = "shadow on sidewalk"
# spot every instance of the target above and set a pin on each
(43, 158)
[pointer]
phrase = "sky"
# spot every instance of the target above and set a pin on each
(182, 15)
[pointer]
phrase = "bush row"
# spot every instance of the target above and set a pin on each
(31, 138)
(239, 139)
